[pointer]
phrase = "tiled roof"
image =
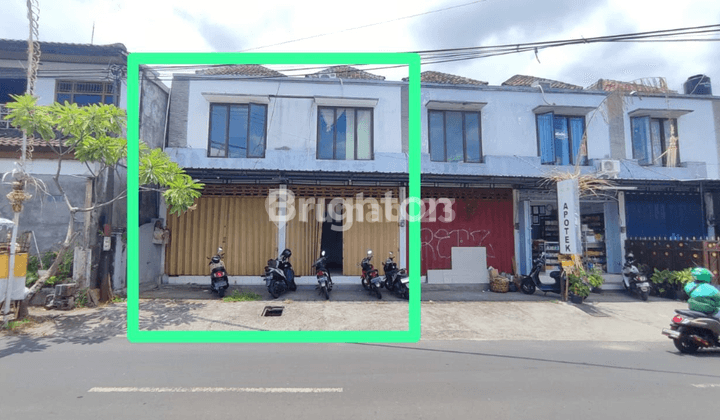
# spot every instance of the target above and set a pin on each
(520, 80)
(345, 72)
(651, 85)
(241, 70)
(446, 78)
(17, 142)
(57, 51)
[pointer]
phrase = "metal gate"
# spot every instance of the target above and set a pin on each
(238, 224)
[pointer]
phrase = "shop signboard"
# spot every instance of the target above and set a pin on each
(569, 216)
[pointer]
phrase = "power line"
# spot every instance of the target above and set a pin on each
(363, 26)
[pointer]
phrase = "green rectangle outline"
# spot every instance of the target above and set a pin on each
(135, 335)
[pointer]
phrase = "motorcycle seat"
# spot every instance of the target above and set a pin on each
(693, 314)
(555, 275)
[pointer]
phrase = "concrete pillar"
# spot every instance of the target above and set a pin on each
(282, 225)
(523, 237)
(623, 223)
(402, 260)
(613, 248)
(709, 215)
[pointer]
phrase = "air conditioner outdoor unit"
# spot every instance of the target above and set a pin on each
(609, 168)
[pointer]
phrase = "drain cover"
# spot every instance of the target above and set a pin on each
(273, 310)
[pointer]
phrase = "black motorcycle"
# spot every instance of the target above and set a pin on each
(634, 281)
(218, 275)
(279, 275)
(370, 277)
(325, 283)
(531, 282)
(396, 280)
(692, 330)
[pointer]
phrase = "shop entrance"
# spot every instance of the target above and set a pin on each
(545, 234)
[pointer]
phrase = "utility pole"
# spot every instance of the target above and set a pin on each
(17, 196)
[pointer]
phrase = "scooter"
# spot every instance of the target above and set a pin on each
(396, 280)
(279, 275)
(633, 280)
(325, 283)
(370, 278)
(218, 275)
(691, 330)
(531, 282)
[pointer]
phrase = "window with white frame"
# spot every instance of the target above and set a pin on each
(455, 136)
(345, 133)
(655, 141)
(86, 93)
(560, 139)
(237, 130)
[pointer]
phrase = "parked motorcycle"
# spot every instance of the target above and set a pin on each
(531, 282)
(634, 281)
(218, 275)
(691, 330)
(325, 283)
(396, 280)
(370, 278)
(279, 275)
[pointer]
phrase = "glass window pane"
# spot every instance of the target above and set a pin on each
(218, 130)
(577, 129)
(472, 137)
(454, 136)
(256, 143)
(641, 139)
(87, 99)
(237, 135)
(672, 158)
(110, 100)
(341, 128)
(364, 134)
(562, 149)
(437, 137)
(546, 138)
(62, 97)
(349, 135)
(326, 129)
(655, 141)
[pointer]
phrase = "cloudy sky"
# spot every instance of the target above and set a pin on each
(392, 26)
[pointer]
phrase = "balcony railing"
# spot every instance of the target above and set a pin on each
(3, 112)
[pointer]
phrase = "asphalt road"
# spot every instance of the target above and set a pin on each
(109, 378)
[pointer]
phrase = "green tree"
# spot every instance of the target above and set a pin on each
(95, 136)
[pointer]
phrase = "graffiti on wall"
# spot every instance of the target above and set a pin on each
(439, 243)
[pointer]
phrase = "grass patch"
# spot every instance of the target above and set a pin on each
(16, 326)
(236, 296)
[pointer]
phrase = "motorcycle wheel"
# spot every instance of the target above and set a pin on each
(365, 283)
(527, 286)
(405, 292)
(325, 292)
(644, 295)
(221, 292)
(293, 286)
(685, 345)
(377, 292)
(274, 289)
(388, 285)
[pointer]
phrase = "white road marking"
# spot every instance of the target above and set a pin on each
(706, 385)
(208, 389)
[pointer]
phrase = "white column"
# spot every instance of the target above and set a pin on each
(282, 212)
(403, 230)
(623, 224)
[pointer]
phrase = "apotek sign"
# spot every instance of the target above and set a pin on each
(569, 216)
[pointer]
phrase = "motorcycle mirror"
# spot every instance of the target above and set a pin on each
(369, 252)
(322, 254)
(391, 253)
(220, 250)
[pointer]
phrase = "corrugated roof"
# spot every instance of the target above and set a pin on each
(446, 78)
(345, 72)
(521, 80)
(255, 70)
(57, 51)
(650, 85)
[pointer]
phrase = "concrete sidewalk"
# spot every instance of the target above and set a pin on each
(611, 316)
